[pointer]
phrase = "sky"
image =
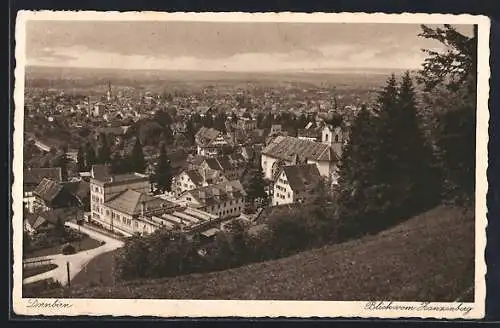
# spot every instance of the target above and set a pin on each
(225, 46)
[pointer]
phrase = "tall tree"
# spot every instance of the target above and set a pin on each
(80, 159)
(254, 184)
(136, 159)
(451, 75)
(417, 163)
(90, 156)
(163, 172)
(190, 130)
(358, 171)
(119, 165)
(104, 152)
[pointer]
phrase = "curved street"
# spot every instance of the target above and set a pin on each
(76, 261)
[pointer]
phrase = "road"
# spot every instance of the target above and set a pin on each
(76, 261)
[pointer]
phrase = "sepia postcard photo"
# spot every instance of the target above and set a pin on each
(250, 165)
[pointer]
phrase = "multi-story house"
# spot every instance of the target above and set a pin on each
(51, 195)
(297, 184)
(107, 187)
(32, 178)
(282, 151)
(186, 180)
(225, 200)
(211, 142)
(231, 166)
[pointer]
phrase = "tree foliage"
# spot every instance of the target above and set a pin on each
(449, 78)
(136, 159)
(80, 161)
(104, 151)
(387, 169)
(90, 156)
(454, 66)
(254, 184)
(163, 172)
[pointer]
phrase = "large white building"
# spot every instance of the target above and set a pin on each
(284, 150)
(106, 187)
(122, 204)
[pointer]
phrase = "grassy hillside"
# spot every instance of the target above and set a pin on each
(429, 257)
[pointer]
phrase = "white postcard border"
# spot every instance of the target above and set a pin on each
(225, 308)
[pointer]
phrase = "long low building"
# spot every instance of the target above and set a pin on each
(134, 212)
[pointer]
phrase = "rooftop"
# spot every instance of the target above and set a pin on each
(34, 176)
(48, 189)
(130, 202)
(287, 148)
(118, 178)
(217, 193)
(302, 177)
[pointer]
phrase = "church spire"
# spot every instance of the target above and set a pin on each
(108, 94)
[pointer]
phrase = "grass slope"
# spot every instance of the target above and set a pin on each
(430, 257)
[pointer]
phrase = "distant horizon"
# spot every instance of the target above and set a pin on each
(277, 71)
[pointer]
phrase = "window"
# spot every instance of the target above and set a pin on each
(336, 138)
(288, 195)
(107, 212)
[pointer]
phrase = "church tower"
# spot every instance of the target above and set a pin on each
(108, 94)
(334, 137)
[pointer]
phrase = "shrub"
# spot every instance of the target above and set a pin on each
(68, 249)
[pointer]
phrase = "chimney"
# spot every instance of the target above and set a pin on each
(143, 208)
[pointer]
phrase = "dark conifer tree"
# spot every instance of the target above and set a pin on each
(358, 174)
(80, 160)
(119, 165)
(163, 172)
(90, 156)
(417, 168)
(254, 184)
(136, 159)
(104, 153)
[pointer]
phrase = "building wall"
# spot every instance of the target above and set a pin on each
(225, 209)
(267, 166)
(335, 139)
(28, 201)
(101, 193)
(283, 193)
(114, 220)
(183, 183)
